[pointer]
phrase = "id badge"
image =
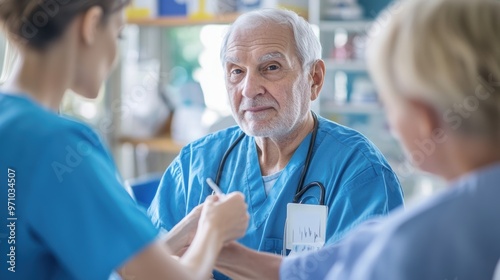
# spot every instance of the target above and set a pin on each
(305, 227)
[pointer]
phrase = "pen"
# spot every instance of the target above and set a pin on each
(214, 187)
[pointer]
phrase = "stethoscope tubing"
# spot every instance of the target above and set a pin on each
(300, 189)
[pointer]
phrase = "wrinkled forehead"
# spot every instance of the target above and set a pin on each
(259, 28)
(270, 40)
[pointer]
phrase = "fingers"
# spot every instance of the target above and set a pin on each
(238, 217)
(227, 214)
(211, 199)
(195, 213)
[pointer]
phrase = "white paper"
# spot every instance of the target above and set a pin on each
(305, 227)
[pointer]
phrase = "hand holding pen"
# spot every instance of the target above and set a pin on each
(225, 213)
(214, 187)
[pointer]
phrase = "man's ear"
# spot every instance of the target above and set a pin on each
(318, 77)
(90, 23)
(428, 118)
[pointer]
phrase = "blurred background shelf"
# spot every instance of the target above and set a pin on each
(349, 25)
(163, 144)
(345, 65)
(364, 109)
(349, 96)
(169, 66)
(184, 21)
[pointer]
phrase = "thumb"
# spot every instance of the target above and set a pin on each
(211, 199)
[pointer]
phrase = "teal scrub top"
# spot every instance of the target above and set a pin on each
(70, 217)
(359, 183)
(454, 235)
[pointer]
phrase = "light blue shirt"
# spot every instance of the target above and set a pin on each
(269, 181)
(359, 183)
(455, 235)
(71, 217)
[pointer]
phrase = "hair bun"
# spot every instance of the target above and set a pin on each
(40, 22)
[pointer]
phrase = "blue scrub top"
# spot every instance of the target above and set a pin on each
(454, 235)
(359, 183)
(70, 217)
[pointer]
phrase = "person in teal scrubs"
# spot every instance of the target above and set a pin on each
(64, 211)
(436, 64)
(273, 72)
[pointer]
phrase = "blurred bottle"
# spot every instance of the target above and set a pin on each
(359, 46)
(226, 6)
(206, 9)
(363, 91)
(248, 5)
(340, 95)
(200, 9)
(301, 7)
(342, 10)
(342, 45)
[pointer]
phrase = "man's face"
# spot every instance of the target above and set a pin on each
(269, 93)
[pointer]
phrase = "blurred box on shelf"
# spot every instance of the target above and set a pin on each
(363, 91)
(208, 9)
(343, 48)
(226, 6)
(342, 10)
(298, 6)
(139, 9)
(172, 8)
(248, 5)
(347, 45)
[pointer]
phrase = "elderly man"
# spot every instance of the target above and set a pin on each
(454, 234)
(273, 73)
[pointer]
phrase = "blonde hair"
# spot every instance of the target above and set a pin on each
(445, 53)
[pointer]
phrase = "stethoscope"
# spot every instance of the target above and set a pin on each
(301, 190)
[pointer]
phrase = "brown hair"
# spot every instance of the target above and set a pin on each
(40, 22)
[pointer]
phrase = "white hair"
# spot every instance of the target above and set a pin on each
(306, 42)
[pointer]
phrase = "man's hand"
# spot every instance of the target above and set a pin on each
(240, 262)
